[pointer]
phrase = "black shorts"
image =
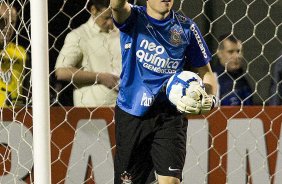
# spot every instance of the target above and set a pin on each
(156, 141)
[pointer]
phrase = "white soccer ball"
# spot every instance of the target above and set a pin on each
(181, 84)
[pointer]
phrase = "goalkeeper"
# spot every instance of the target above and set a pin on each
(156, 42)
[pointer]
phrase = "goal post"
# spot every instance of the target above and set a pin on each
(40, 91)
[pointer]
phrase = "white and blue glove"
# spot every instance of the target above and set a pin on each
(196, 101)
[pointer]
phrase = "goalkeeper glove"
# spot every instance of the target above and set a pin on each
(189, 105)
(207, 103)
(196, 101)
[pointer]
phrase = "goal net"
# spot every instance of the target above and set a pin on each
(232, 144)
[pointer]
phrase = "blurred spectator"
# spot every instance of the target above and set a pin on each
(90, 58)
(276, 84)
(233, 87)
(13, 59)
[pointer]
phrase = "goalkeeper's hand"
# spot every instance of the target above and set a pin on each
(196, 101)
(207, 103)
(189, 105)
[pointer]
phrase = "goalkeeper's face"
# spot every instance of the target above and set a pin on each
(160, 6)
(8, 18)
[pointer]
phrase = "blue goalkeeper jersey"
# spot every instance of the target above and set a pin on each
(152, 51)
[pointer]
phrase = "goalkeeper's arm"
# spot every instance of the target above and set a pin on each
(121, 10)
(209, 80)
(208, 99)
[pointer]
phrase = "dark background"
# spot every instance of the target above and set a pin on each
(257, 23)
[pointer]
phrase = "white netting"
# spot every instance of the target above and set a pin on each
(230, 145)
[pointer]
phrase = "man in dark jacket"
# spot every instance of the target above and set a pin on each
(233, 87)
(276, 85)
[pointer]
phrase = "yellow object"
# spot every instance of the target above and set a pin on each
(12, 62)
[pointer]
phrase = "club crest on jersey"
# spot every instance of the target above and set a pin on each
(126, 178)
(175, 36)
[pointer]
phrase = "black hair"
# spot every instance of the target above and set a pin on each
(99, 4)
(224, 37)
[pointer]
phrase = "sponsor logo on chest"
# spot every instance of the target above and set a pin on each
(155, 58)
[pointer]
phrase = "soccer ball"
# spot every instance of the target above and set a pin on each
(181, 84)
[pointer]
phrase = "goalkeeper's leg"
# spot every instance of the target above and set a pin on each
(169, 148)
(157, 139)
(133, 162)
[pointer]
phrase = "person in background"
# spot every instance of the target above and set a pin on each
(12, 61)
(276, 83)
(91, 59)
(233, 87)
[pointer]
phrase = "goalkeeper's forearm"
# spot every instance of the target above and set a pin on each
(209, 101)
(121, 10)
(118, 5)
(208, 77)
(210, 83)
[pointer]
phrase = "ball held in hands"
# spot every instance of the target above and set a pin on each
(186, 91)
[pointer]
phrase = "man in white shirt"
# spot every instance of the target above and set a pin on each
(91, 60)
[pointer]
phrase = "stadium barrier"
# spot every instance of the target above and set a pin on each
(229, 145)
